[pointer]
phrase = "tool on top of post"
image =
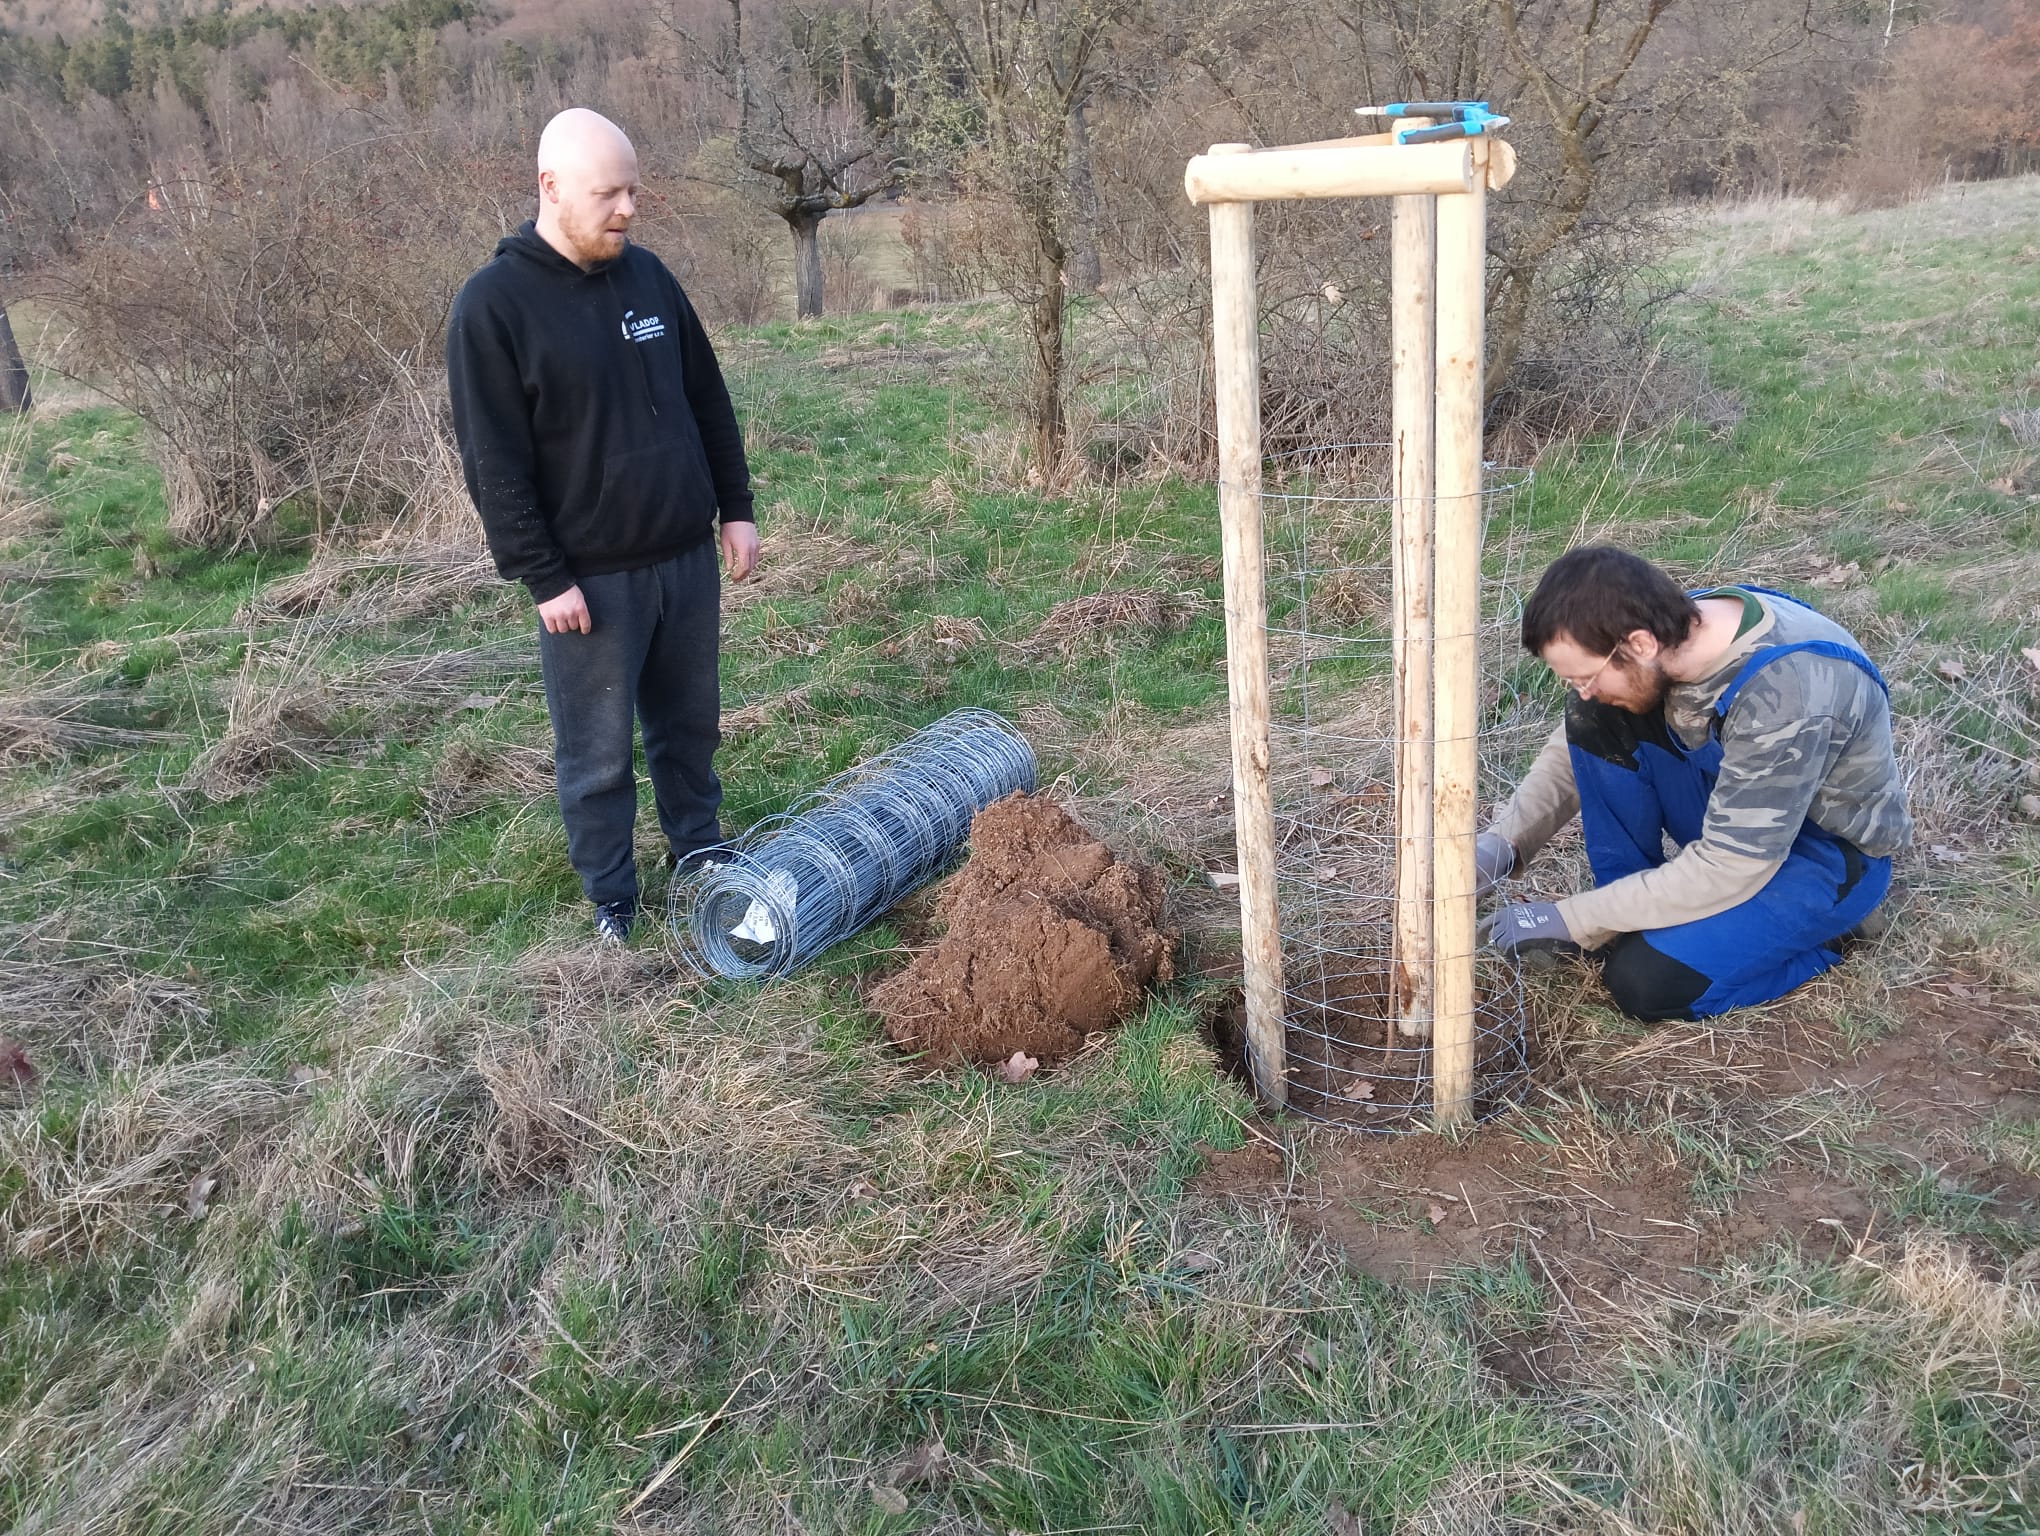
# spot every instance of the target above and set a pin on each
(1462, 120)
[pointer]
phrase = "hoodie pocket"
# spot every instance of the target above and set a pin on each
(652, 498)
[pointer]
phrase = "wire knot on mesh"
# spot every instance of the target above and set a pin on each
(835, 861)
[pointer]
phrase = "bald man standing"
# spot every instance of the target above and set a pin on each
(600, 448)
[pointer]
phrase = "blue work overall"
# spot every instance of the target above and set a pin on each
(1648, 783)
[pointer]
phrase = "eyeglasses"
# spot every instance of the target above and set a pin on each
(1582, 689)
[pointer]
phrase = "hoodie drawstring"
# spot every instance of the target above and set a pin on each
(644, 373)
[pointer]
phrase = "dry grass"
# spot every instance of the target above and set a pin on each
(1084, 623)
(471, 774)
(796, 556)
(94, 1017)
(298, 701)
(134, 1161)
(384, 585)
(51, 719)
(278, 717)
(1915, 1324)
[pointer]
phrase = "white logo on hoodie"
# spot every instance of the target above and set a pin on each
(650, 328)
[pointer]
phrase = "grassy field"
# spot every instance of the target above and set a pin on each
(346, 1187)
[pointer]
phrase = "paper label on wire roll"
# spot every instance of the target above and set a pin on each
(757, 926)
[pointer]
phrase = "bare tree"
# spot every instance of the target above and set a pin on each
(999, 90)
(805, 143)
(14, 390)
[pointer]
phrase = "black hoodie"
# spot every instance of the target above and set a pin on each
(595, 431)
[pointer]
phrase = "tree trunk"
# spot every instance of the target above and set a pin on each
(807, 262)
(1045, 397)
(1085, 270)
(14, 391)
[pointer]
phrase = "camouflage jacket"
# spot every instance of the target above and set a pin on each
(1808, 738)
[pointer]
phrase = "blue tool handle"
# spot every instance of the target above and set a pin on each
(1437, 135)
(1435, 108)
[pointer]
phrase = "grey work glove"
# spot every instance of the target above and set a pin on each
(1529, 931)
(1494, 860)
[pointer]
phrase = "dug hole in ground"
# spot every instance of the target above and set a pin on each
(1604, 1188)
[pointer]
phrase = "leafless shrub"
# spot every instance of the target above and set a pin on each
(275, 317)
(1949, 101)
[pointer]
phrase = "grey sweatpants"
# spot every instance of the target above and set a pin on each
(652, 652)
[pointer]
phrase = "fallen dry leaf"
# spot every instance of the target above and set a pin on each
(919, 1466)
(2032, 654)
(2030, 805)
(1328, 872)
(1436, 1215)
(1360, 1088)
(1947, 855)
(15, 1067)
(1018, 1067)
(1314, 1355)
(890, 1501)
(1321, 778)
(1951, 669)
(863, 1189)
(198, 1194)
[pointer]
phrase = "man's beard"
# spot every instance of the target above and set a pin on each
(1655, 686)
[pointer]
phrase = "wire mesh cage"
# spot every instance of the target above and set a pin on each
(1329, 536)
(838, 859)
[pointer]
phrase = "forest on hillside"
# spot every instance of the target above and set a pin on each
(252, 220)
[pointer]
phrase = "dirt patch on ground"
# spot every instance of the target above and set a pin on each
(1349, 1065)
(1049, 939)
(1964, 1051)
(1604, 1217)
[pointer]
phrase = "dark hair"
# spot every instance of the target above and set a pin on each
(1597, 595)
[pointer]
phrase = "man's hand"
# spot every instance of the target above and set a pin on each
(1527, 929)
(740, 549)
(1494, 860)
(567, 611)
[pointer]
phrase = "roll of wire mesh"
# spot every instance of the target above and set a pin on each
(841, 857)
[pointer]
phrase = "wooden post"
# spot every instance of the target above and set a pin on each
(1414, 327)
(1462, 289)
(1336, 169)
(1236, 367)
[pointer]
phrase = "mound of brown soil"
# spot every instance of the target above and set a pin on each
(1050, 938)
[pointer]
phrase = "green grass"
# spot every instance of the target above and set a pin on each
(499, 1232)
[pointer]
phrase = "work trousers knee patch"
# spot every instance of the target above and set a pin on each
(1648, 984)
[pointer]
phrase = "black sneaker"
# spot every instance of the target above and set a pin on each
(612, 922)
(697, 862)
